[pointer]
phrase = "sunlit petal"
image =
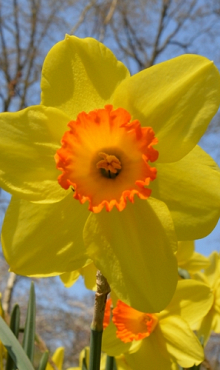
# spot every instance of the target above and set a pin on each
(80, 75)
(189, 188)
(192, 301)
(42, 239)
(150, 355)
(57, 358)
(181, 342)
(69, 278)
(31, 139)
(177, 98)
(140, 240)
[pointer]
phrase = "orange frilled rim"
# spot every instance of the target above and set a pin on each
(132, 324)
(104, 158)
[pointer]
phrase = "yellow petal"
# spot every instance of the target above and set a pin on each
(205, 327)
(57, 358)
(174, 366)
(196, 263)
(89, 274)
(200, 276)
(133, 250)
(182, 344)
(189, 188)
(184, 252)
(69, 278)
(122, 363)
(80, 75)
(111, 344)
(177, 98)
(150, 355)
(192, 301)
(212, 273)
(29, 140)
(216, 322)
(44, 239)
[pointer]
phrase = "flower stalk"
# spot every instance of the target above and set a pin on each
(102, 292)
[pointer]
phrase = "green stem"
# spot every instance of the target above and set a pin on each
(110, 363)
(97, 323)
(95, 349)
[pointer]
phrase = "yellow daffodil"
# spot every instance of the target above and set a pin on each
(124, 147)
(156, 341)
(211, 277)
(84, 355)
(190, 260)
(57, 359)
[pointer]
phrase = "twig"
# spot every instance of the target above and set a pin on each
(6, 301)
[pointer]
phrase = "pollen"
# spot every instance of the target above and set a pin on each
(104, 157)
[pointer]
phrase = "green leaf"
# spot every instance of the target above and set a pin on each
(15, 320)
(29, 330)
(13, 347)
(14, 326)
(43, 361)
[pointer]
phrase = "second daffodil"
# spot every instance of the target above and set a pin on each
(107, 166)
(161, 340)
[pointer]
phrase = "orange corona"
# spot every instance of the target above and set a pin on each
(104, 158)
(130, 323)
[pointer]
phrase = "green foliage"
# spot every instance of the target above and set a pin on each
(14, 348)
(29, 331)
(43, 361)
(14, 326)
(18, 357)
(110, 363)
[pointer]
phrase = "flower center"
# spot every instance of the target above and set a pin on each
(110, 164)
(104, 158)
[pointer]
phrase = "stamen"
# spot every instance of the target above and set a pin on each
(110, 163)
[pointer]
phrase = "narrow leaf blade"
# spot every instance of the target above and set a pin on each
(29, 331)
(13, 347)
(43, 361)
(14, 326)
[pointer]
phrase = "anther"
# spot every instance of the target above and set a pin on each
(110, 163)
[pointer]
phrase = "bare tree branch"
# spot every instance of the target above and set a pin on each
(6, 301)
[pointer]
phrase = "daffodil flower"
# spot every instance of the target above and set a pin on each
(156, 341)
(122, 146)
(211, 277)
(84, 357)
(190, 260)
(57, 359)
